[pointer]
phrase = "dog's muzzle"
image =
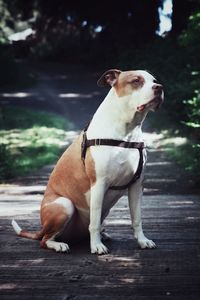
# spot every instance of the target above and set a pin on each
(153, 104)
(159, 96)
(157, 102)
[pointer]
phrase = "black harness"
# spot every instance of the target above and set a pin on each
(116, 143)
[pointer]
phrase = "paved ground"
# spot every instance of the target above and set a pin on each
(170, 213)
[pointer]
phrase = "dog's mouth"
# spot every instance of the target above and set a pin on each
(154, 104)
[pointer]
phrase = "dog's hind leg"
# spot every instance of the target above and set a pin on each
(55, 216)
(50, 243)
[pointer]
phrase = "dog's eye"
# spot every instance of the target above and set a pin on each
(135, 81)
(155, 81)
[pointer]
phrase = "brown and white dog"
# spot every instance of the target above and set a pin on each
(78, 195)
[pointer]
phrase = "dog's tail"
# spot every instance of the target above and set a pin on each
(38, 235)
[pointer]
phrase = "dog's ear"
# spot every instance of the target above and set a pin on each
(109, 78)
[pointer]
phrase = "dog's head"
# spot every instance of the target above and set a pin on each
(139, 87)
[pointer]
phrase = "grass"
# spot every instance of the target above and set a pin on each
(21, 118)
(30, 140)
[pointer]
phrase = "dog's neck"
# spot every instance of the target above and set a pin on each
(133, 128)
(116, 118)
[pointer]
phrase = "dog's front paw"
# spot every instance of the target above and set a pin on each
(99, 248)
(146, 243)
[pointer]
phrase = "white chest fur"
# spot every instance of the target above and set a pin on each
(116, 165)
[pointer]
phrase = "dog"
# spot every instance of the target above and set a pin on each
(102, 164)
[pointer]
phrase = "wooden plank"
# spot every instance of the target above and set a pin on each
(172, 271)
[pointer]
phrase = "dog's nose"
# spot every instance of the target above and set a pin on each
(158, 88)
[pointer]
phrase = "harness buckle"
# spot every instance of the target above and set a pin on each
(97, 142)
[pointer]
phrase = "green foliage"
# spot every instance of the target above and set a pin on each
(29, 149)
(7, 165)
(193, 108)
(29, 140)
(190, 37)
(5, 19)
(190, 40)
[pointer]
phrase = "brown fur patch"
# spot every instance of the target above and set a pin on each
(53, 216)
(70, 178)
(127, 82)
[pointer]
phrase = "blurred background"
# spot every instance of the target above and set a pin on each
(52, 52)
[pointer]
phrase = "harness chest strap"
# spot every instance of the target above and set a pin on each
(115, 143)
